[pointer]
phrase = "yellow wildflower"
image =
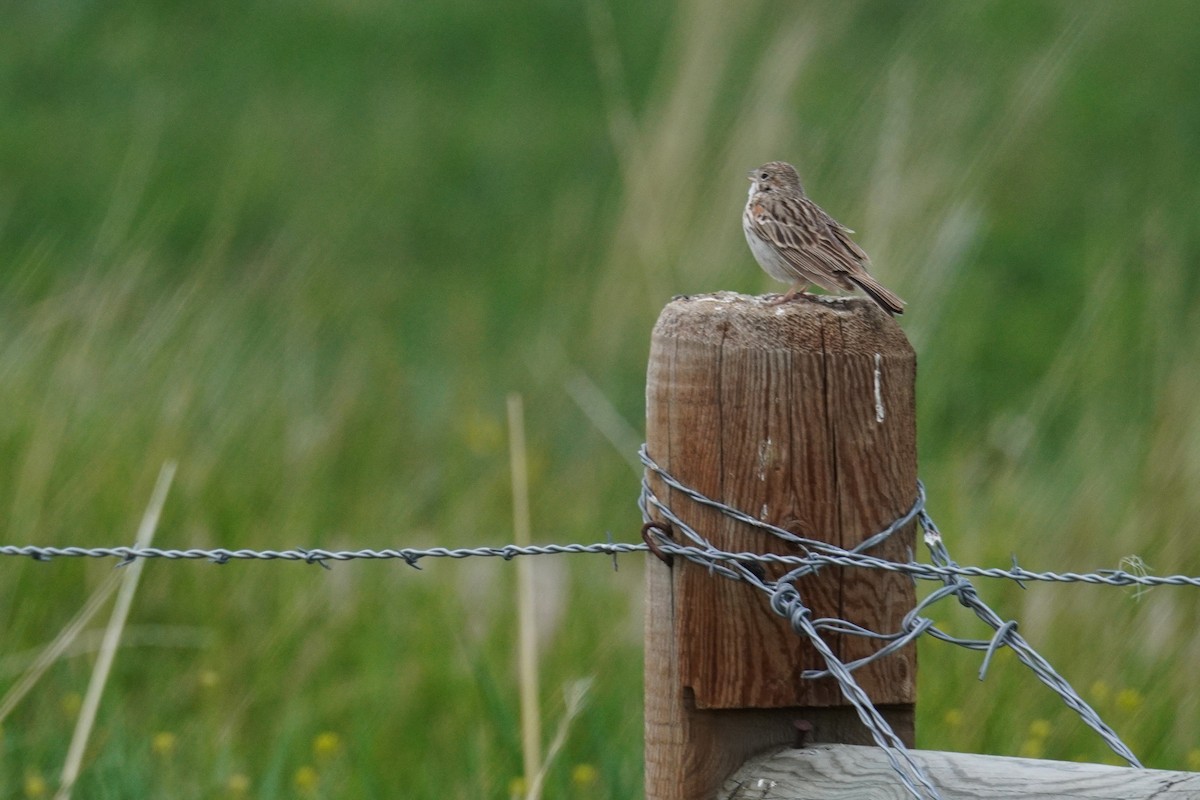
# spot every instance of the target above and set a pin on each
(306, 779)
(584, 775)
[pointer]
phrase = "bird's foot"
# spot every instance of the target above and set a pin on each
(789, 296)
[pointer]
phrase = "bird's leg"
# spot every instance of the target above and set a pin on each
(797, 289)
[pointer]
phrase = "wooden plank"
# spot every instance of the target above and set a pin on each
(849, 772)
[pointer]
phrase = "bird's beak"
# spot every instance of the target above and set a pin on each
(750, 175)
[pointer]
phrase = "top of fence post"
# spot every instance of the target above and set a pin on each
(802, 415)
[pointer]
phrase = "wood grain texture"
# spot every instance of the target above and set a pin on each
(803, 415)
(848, 772)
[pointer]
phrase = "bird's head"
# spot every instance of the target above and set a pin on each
(775, 176)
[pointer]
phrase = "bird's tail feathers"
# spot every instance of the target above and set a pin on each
(887, 300)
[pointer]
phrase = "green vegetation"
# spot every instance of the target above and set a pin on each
(306, 250)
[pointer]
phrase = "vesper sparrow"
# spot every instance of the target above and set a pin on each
(796, 242)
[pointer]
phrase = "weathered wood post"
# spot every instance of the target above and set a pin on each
(802, 414)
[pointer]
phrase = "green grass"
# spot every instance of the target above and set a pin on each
(306, 251)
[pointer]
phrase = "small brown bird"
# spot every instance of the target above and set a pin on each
(796, 242)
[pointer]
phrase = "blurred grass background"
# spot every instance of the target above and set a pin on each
(306, 250)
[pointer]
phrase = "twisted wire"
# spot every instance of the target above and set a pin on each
(785, 601)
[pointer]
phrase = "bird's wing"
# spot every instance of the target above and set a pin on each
(814, 241)
(842, 234)
(856, 267)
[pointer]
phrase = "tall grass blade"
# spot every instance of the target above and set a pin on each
(527, 666)
(112, 636)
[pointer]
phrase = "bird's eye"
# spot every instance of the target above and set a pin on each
(764, 176)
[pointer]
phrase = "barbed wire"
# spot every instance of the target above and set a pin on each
(410, 555)
(785, 599)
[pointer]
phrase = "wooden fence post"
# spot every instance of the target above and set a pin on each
(803, 415)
